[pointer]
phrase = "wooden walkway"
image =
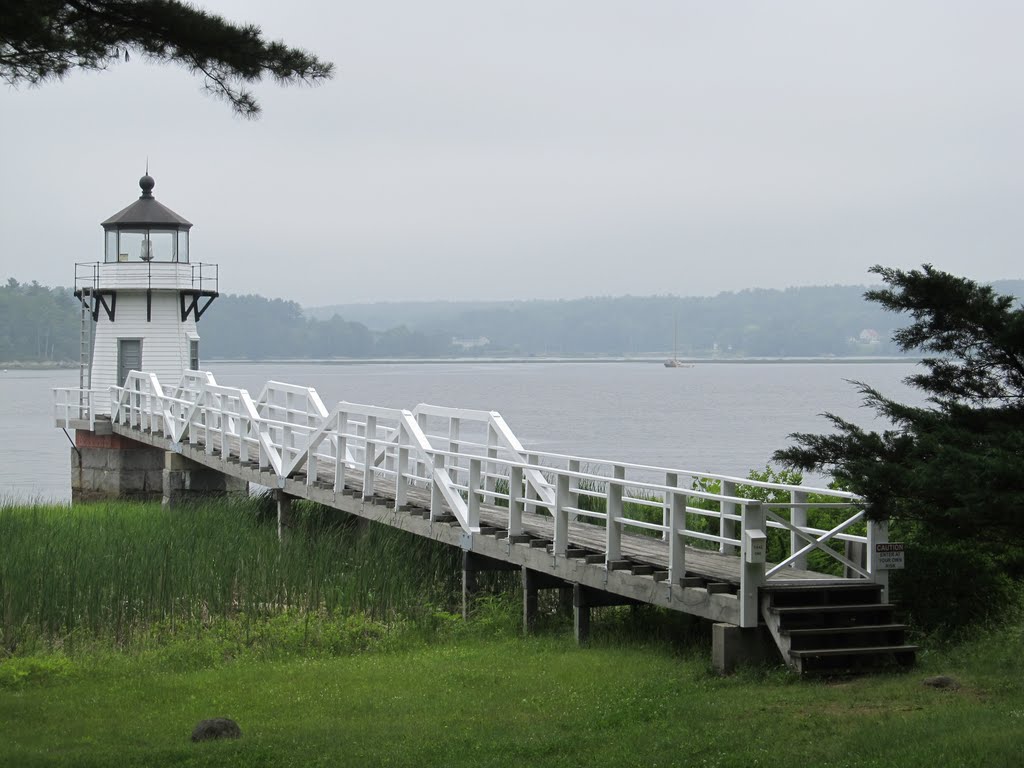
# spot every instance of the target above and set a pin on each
(612, 532)
(708, 588)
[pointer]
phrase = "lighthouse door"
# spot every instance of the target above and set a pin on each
(129, 358)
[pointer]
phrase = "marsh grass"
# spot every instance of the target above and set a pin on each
(117, 570)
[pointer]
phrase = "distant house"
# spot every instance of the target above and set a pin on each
(476, 343)
(869, 336)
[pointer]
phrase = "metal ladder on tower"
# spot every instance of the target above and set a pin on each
(87, 300)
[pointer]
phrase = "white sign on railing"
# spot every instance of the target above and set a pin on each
(890, 556)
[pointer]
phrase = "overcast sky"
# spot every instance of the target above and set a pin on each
(512, 150)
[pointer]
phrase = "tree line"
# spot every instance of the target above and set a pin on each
(42, 324)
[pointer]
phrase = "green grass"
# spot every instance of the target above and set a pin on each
(541, 701)
(124, 625)
(114, 571)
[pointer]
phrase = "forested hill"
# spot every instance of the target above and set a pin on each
(811, 321)
(37, 324)
(41, 324)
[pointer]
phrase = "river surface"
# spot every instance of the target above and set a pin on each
(714, 417)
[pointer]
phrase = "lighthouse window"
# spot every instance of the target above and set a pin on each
(161, 245)
(183, 246)
(110, 247)
(132, 246)
(193, 354)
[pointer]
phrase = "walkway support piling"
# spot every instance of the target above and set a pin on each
(284, 515)
(732, 646)
(533, 582)
(186, 481)
(585, 598)
(472, 564)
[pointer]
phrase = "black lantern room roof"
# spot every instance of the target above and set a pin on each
(146, 212)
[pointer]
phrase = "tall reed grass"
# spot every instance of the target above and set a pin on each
(110, 570)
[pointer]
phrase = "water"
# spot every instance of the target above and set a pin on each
(725, 418)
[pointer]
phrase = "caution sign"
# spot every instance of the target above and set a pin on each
(890, 557)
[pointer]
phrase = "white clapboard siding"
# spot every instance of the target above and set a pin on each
(165, 339)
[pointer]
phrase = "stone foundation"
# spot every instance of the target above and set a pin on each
(114, 467)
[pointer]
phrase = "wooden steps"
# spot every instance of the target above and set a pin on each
(835, 630)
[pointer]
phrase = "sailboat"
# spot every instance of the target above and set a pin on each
(675, 362)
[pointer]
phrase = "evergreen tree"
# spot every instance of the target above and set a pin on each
(950, 470)
(46, 39)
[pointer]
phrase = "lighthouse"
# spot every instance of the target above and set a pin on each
(145, 298)
(140, 309)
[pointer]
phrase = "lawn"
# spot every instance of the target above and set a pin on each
(122, 626)
(511, 701)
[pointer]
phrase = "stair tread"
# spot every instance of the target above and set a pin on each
(790, 609)
(805, 631)
(854, 651)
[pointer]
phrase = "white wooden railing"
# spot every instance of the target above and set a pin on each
(465, 459)
(75, 407)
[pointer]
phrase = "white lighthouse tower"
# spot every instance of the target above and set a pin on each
(145, 298)
(140, 306)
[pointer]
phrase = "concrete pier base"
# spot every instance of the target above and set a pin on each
(533, 582)
(472, 564)
(284, 515)
(186, 481)
(732, 646)
(585, 598)
(113, 467)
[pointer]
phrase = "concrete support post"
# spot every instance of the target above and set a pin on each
(469, 582)
(580, 615)
(533, 582)
(565, 600)
(186, 481)
(529, 600)
(585, 598)
(732, 646)
(284, 515)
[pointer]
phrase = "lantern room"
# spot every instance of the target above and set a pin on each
(146, 231)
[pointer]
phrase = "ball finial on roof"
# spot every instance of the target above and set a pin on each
(146, 183)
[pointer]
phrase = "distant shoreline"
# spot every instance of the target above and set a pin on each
(20, 365)
(528, 360)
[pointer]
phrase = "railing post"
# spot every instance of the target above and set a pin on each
(676, 541)
(672, 481)
(574, 486)
(436, 497)
(878, 533)
(613, 530)
(421, 421)
(515, 501)
(243, 435)
(727, 528)
(454, 430)
(402, 470)
(368, 458)
(752, 562)
(473, 497)
(341, 448)
(207, 419)
(798, 518)
(561, 543)
(532, 497)
(490, 482)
